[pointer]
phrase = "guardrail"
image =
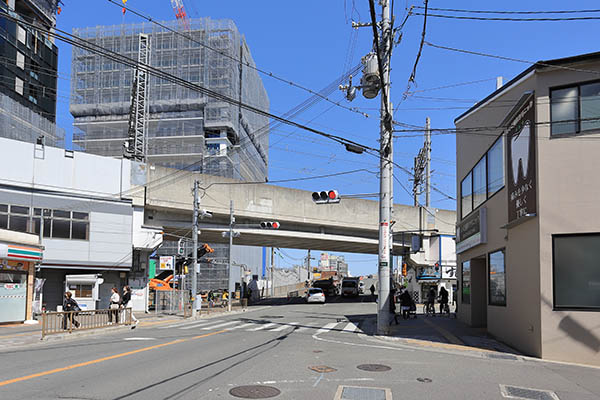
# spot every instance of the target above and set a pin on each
(69, 321)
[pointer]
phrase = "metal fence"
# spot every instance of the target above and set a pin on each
(172, 302)
(69, 321)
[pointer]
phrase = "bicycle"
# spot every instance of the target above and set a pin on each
(444, 309)
(428, 309)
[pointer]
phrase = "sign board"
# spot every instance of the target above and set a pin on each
(521, 181)
(166, 263)
(472, 231)
(448, 272)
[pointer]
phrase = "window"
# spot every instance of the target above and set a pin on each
(576, 271)
(575, 109)
(495, 167)
(466, 195)
(497, 279)
(80, 290)
(484, 180)
(20, 60)
(19, 85)
(479, 183)
(19, 218)
(466, 282)
(3, 216)
(21, 34)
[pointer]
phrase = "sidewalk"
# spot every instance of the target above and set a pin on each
(444, 331)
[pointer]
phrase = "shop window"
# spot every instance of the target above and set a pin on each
(576, 271)
(495, 167)
(479, 183)
(497, 279)
(466, 192)
(575, 109)
(466, 282)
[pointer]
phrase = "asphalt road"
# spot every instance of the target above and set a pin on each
(273, 346)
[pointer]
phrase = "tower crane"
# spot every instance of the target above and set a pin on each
(180, 13)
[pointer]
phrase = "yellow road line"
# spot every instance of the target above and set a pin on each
(99, 360)
(34, 333)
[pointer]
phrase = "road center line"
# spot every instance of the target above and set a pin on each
(99, 360)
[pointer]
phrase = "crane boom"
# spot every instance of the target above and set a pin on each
(180, 13)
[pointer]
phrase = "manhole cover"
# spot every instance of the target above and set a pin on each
(374, 367)
(254, 392)
(322, 369)
(515, 392)
(424, 380)
(361, 393)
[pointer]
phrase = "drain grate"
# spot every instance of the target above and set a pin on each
(515, 392)
(374, 367)
(254, 392)
(322, 369)
(362, 393)
(424, 380)
(502, 356)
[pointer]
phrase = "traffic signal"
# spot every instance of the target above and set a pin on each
(270, 225)
(180, 247)
(324, 197)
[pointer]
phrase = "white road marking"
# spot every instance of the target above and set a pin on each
(261, 327)
(201, 324)
(140, 338)
(240, 326)
(351, 327)
(283, 326)
(220, 325)
(326, 328)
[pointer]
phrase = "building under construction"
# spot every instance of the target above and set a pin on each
(183, 127)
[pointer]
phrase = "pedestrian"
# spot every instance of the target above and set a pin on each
(444, 300)
(115, 301)
(372, 289)
(70, 308)
(405, 303)
(211, 298)
(431, 301)
(224, 298)
(393, 305)
(128, 303)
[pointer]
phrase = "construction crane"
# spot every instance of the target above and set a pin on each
(180, 13)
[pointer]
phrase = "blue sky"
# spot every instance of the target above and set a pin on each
(311, 42)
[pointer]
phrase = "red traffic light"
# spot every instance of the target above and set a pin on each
(270, 225)
(275, 225)
(324, 197)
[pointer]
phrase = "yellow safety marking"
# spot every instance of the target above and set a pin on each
(445, 333)
(99, 360)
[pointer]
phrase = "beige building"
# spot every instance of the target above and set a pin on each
(528, 237)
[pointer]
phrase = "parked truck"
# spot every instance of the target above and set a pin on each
(350, 286)
(331, 286)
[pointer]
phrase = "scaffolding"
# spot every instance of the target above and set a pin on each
(185, 128)
(22, 123)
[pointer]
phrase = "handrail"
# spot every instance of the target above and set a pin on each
(54, 322)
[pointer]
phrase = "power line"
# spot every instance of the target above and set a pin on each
(540, 63)
(233, 58)
(512, 12)
(511, 19)
(413, 74)
(86, 45)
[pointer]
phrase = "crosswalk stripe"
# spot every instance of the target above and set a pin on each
(200, 324)
(283, 326)
(179, 324)
(262, 327)
(240, 326)
(326, 328)
(220, 325)
(351, 327)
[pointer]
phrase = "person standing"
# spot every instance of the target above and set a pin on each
(115, 299)
(405, 303)
(70, 305)
(444, 300)
(372, 289)
(127, 303)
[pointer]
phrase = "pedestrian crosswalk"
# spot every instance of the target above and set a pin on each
(249, 325)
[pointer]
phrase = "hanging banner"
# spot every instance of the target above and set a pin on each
(520, 160)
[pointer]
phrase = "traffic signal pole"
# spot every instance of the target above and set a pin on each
(386, 178)
(195, 250)
(231, 283)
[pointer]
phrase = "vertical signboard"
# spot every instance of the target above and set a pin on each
(521, 161)
(166, 263)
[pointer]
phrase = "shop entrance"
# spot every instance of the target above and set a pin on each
(13, 296)
(479, 292)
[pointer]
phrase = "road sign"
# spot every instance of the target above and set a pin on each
(166, 263)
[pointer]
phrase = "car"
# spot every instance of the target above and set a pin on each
(315, 295)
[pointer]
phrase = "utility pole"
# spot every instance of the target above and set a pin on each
(195, 249)
(272, 278)
(427, 161)
(308, 266)
(386, 176)
(231, 284)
